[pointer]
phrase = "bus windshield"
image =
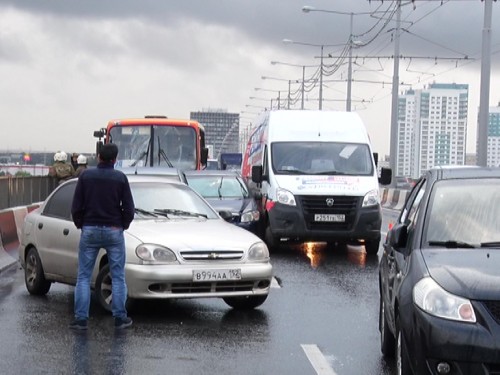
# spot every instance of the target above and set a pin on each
(154, 145)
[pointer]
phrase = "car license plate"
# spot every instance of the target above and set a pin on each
(216, 275)
(330, 217)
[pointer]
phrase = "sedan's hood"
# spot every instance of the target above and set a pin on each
(232, 205)
(470, 273)
(196, 234)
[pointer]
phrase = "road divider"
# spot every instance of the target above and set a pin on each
(11, 223)
(393, 198)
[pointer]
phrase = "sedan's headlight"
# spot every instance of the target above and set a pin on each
(258, 251)
(285, 197)
(152, 253)
(371, 198)
(249, 216)
(433, 299)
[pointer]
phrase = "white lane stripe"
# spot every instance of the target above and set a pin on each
(318, 361)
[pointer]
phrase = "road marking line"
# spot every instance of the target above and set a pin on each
(318, 360)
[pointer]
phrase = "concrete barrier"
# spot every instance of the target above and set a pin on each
(11, 222)
(393, 198)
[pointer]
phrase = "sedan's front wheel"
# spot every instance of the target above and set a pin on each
(246, 302)
(103, 289)
(34, 276)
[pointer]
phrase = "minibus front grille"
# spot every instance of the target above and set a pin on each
(329, 205)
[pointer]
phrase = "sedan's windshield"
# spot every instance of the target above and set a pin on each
(321, 158)
(154, 199)
(464, 213)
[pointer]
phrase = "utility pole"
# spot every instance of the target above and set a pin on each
(349, 70)
(482, 130)
(321, 81)
(395, 89)
(303, 86)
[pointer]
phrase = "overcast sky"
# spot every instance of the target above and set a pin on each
(67, 67)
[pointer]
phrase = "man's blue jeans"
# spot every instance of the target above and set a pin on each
(94, 238)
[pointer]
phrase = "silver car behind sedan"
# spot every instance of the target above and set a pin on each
(177, 247)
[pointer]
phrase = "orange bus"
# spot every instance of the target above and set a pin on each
(156, 141)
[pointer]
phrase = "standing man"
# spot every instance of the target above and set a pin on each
(102, 208)
(61, 169)
(82, 165)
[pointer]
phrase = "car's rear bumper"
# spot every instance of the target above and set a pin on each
(164, 281)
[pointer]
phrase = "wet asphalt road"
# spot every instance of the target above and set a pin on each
(325, 302)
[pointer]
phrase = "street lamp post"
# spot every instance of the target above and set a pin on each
(277, 91)
(302, 89)
(289, 86)
(352, 43)
(288, 41)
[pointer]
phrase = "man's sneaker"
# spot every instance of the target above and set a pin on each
(79, 324)
(121, 323)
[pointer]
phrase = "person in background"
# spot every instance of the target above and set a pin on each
(103, 207)
(74, 160)
(61, 169)
(81, 165)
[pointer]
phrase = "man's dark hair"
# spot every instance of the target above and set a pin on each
(108, 152)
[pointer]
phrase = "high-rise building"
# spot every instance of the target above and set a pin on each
(493, 152)
(432, 128)
(221, 130)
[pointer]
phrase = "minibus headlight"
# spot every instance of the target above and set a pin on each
(371, 198)
(285, 197)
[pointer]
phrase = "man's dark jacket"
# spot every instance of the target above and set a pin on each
(103, 198)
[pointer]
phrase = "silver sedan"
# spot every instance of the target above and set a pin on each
(177, 247)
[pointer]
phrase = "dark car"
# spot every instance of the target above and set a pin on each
(439, 275)
(167, 172)
(227, 191)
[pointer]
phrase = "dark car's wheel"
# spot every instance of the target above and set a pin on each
(371, 246)
(34, 276)
(387, 340)
(402, 365)
(246, 302)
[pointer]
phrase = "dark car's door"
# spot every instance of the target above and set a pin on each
(57, 237)
(393, 265)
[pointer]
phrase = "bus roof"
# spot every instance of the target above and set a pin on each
(153, 120)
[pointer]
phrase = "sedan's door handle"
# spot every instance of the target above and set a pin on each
(65, 232)
(40, 225)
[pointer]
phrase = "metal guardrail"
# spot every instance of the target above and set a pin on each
(22, 191)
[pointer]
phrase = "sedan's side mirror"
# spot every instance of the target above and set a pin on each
(398, 236)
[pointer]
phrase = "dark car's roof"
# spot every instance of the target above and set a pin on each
(463, 171)
(212, 172)
(171, 173)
